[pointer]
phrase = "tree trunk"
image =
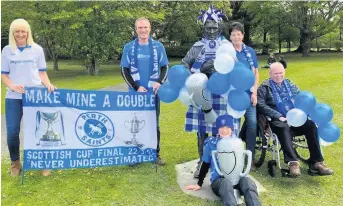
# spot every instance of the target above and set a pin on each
(92, 69)
(265, 47)
(288, 45)
(55, 60)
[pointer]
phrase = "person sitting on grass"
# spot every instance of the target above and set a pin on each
(221, 186)
(271, 59)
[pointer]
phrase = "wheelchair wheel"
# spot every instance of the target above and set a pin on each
(272, 167)
(301, 148)
(260, 149)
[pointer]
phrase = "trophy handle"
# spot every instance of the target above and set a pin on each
(125, 124)
(63, 140)
(214, 154)
(143, 124)
(37, 127)
(247, 170)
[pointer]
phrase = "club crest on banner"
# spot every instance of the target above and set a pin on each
(94, 129)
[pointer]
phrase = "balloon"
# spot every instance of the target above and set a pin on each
(296, 117)
(196, 81)
(324, 143)
(242, 77)
(167, 93)
(329, 132)
(321, 114)
(226, 48)
(223, 63)
(234, 113)
(184, 96)
(177, 75)
(239, 100)
(305, 101)
(218, 83)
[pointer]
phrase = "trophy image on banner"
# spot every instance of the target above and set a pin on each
(49, 129)
(134, 126)
(230, 154)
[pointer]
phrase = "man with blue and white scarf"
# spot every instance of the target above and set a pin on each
(247, 56)
(275, 98)
(144, 66)
(200, 59)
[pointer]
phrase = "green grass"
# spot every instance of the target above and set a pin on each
(322, 74)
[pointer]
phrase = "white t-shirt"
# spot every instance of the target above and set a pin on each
(23, 67)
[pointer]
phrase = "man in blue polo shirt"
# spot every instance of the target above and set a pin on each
(144, 65)
(247, 56)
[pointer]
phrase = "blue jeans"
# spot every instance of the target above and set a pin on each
(251, 129)
(14, 113)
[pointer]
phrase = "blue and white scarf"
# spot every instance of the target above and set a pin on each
(134, 70)
(207, 52)
(283, 96)
(248, 56)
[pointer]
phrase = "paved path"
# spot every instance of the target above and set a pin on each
(4, 150)
(185, 177)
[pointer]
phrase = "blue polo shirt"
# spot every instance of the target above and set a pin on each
(210, 145)
(143, 60)
(242, 58)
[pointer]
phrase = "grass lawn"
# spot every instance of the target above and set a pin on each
(322, 74)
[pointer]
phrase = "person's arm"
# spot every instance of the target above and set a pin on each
(262, 105)
(203, 171)
(189, 59)
(46, 82)
(13, 87)
(125, 72)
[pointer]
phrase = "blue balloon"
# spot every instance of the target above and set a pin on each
(305, 101)
(218, 83)
(329, 132)
(242, 77)
(168, 93)
(177, 75)
(239, 100)
(321, 114)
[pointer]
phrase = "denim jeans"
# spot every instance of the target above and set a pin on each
(251, 129)
(14, 113)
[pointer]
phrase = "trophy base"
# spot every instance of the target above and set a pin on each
(50, 143)
(52, 137)
(134, 142)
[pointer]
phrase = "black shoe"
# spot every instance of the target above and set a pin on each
(160, 162)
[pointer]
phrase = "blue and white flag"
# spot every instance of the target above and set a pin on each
(80, 129)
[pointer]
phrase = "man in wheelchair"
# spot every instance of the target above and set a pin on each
(275, 98)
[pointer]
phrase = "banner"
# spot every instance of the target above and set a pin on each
(80, 129)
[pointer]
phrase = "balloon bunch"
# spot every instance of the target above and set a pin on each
(231, 80)
(306, 106)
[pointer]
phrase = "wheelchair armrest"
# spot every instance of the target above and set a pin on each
(268, 118)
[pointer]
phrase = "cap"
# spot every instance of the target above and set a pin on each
(224, 120)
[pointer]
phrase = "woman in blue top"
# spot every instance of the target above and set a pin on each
(22, 65)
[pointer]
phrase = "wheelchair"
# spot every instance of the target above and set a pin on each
(266, 140)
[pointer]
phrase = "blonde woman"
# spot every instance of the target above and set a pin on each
(22, 65)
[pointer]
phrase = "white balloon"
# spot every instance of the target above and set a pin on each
(324, 143)
(195, 82)
(184, 96)
(224, 63)
(234, 113)
(226, 48)
(296, 117)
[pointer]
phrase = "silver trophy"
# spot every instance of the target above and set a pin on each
(230, 155)
(49, 135)
(134, 126)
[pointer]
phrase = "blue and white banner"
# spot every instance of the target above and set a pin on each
(80, 129)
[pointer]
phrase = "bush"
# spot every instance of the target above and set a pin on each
(338, 45)
(178, 51)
